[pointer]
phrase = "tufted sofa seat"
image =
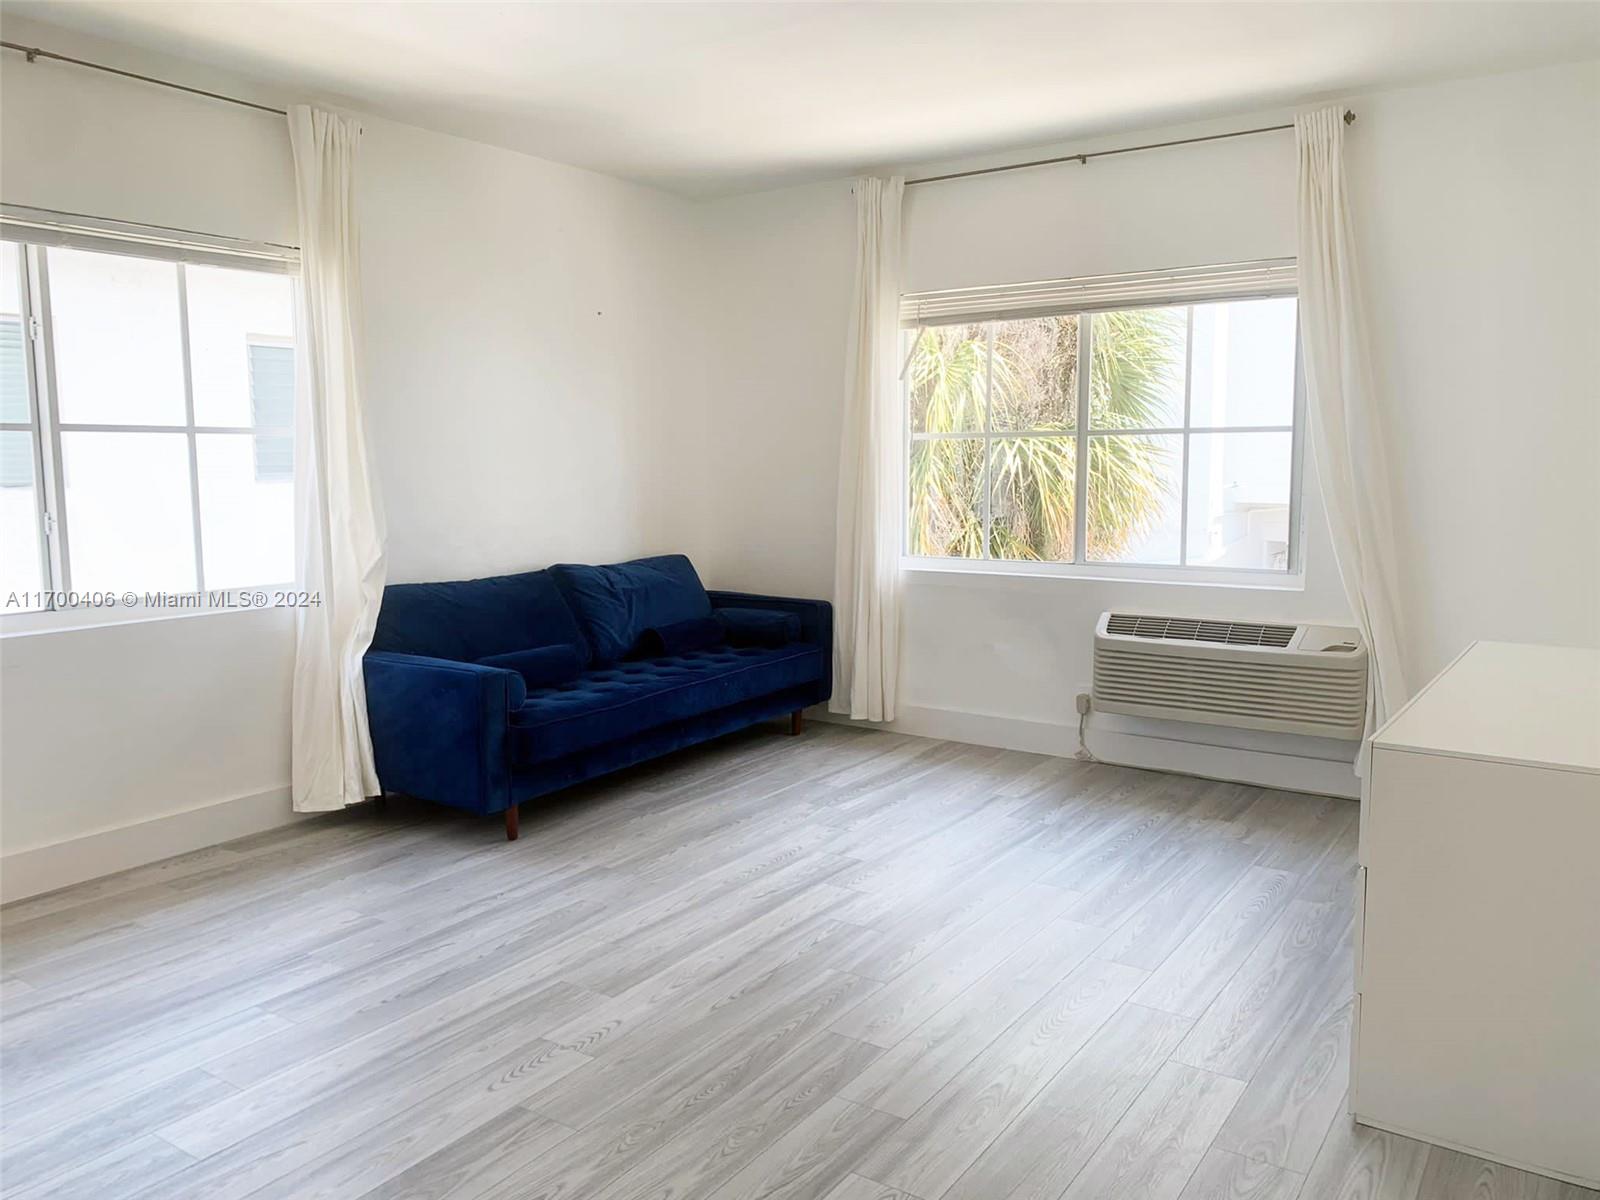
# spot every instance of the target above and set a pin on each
(485, 693)
(614, 702)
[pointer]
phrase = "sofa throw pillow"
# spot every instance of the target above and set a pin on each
(759, 626)
(542, 667)
(615, 604)
(681, 637)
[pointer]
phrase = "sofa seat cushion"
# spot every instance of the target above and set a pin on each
(613, 703)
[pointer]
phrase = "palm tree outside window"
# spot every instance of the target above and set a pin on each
(1187, 454)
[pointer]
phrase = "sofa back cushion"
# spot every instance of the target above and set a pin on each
(615, 604)
(470, 619)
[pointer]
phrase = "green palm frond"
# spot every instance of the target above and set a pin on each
(946, 480)
(1128, 490)
(1138, 358)
(948, 378)
(1028, 370)
(1033, 480)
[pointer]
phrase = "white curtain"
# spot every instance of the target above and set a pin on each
(866, 589)
(338, 518)
(1345, 425)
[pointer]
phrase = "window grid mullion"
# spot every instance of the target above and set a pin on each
(1080, 487)
(1188, 419)
(189, 429)
(988, 432)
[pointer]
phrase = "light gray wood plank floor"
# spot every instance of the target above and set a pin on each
(845, 966)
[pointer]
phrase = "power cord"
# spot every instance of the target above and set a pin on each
(1083, 754)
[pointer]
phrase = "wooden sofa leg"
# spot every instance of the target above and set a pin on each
(512, 813)
(797, 722)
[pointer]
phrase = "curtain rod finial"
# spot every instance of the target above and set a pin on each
(1349, 117)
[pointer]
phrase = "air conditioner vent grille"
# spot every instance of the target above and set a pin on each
(1187, 629)
(1303, 679)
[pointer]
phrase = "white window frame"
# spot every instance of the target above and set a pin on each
(1291, 577)
(46, 427)
(31, 342)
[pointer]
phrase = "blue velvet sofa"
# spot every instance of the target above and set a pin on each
(484, 693)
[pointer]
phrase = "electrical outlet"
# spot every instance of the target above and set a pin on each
(1083, 703)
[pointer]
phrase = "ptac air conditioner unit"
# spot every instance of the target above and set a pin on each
(1309, 679)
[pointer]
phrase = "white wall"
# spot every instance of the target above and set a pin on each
(1479, 214)
(528, 362)
(1479, 204)
(531, 346)
(779, 269)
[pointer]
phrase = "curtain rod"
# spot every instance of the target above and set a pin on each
(34, 52)
(30, 216)
(1083, 159)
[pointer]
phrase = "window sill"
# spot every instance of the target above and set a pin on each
(85, 617)
(1247, 580)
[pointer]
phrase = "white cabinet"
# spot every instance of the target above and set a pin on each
(1478, 965)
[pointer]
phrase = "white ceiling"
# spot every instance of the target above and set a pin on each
(713, 98)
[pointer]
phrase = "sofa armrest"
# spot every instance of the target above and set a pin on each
(439, 728)
(816, 616)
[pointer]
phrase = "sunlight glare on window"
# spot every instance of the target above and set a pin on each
(118, 346)
(230, 312)
(128, 503)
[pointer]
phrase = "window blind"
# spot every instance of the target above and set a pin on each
(46, 227)
(16, 447)
(272, 407)
(1100, 293)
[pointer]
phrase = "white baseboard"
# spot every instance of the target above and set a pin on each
(1307, 765)
(45, 868)
(976, 729)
